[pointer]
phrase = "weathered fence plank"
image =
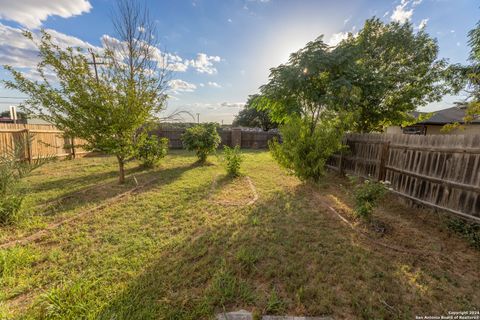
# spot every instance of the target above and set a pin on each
(442, 171)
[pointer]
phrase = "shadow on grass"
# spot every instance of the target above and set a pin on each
(103, 191)
(94, 177)
(282, 256)
(285, 255)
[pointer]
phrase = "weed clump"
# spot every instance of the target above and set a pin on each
(232, 158)
(367, 195)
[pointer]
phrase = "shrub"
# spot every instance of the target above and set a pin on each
(232, 158)
(367, 195)
(203, 139)
(152, 150)
(304, 150)
(9, 207)
(466, 229)
(13, 168)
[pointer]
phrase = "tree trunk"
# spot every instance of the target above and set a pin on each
(121, 170)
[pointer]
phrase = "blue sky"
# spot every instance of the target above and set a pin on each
(224, 48)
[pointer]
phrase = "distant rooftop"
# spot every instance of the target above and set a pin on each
(445, 116)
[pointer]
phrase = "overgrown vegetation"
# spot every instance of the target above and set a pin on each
(304, 150)
(151, 150)
(367, 194)
(13, 167)
(232, 159)
(203, 139)
(468, 230)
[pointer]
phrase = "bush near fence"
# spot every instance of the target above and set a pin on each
(48, 140)
(440, 171)
(250, 139)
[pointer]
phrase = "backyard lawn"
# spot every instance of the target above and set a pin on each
(189, 242)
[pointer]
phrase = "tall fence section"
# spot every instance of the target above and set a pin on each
(251, 139)
(47, 140)
(440, 171)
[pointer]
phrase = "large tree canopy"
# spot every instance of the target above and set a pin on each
(308, 86)
(394, 69)
(473, 75)
(377, 76)
(250, 116)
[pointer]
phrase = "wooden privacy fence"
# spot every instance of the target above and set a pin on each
(46, 140)
(231, 137)
(440, 171)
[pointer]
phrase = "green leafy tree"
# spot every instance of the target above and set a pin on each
(302, 94)
(394, 71)
(203, 139)
(107, 107)
(469, 81)
(307, 86)
(250, 116)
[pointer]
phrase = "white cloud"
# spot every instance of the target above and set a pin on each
(404, 11)
(336, 38)
(178, 85)
(401, 13)
(204, 63)
(423, 24)
(32, 13)
(229, 20)
(20, 52)
(232, 104)
(214, 84)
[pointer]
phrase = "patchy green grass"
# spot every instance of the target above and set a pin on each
(184, 247)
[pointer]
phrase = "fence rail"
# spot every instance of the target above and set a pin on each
(47, 140)
(230, 137)
(439, 171)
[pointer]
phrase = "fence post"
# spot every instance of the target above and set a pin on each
(28, 146)
(383, 157)
(236, 137)
(72, 142)
(340, 163)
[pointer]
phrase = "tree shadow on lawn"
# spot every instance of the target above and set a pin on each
(82, 179)
(96, 194)
(285, 255)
